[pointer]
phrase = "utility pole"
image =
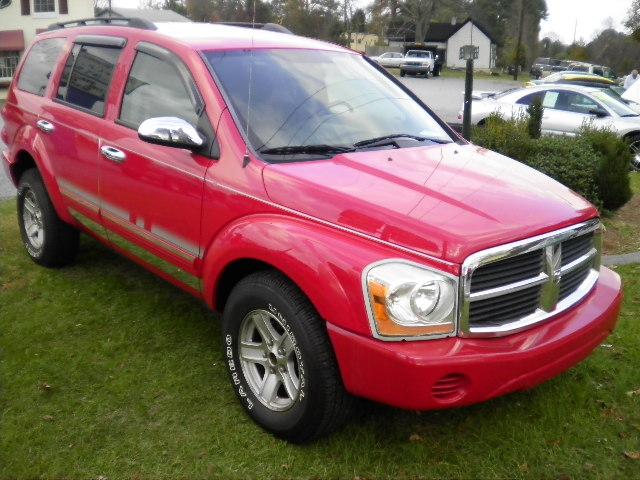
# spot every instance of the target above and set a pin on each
(519, 42)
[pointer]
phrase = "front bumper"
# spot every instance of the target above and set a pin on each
(454, 372)
(415, 68)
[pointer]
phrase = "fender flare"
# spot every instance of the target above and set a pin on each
(324, 263)
(29, 140)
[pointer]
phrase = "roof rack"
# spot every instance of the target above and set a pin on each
(132, 22)
(272, 27)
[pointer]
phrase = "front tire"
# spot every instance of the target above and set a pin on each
(634, 145)
(280, 359)
(49, 241)
(402, 73)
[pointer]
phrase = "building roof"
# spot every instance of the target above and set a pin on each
(441, 32)
(151, 14)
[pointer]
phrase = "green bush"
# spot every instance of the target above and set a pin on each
(594, 163)
(613, 173)
(510, 138)
(571, 162)
(534, 122)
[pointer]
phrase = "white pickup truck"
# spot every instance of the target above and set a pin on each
(418, 62)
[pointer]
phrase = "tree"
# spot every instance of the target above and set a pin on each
(419, 14)
(633, 20)
(359, 21)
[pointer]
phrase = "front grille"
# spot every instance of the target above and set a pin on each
(513, 287)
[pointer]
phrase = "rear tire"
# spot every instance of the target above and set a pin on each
(49, 241)
(280, 359)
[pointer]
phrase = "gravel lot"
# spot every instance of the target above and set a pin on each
(443, 95)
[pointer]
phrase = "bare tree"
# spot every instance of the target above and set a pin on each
(419, 13)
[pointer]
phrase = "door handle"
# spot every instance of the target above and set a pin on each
(46, 127)
(113, 154)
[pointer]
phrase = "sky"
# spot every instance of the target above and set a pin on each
(590, 15)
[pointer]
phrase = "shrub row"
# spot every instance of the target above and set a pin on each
(595, 163)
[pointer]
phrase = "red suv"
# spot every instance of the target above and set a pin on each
(356, 246)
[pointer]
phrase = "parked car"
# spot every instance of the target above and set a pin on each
(355, 244)
(418, 62)
(573, 77)
(546, 65)
(567, 108)
(589, 68)
(389, 59)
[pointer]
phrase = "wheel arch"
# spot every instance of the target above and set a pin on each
(325, 264)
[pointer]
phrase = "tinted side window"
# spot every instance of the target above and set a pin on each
(155, 89)
(87, 75)
(529, 99)
(39, 64)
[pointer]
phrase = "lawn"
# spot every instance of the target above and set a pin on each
(623, 227)
(107, 371)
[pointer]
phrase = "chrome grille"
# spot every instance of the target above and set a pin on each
(515, 286)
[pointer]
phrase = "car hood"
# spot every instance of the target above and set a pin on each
(445, 201)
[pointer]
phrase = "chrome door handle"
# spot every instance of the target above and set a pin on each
(113, 154)
(46, 127)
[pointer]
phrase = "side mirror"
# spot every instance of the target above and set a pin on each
(170, 132)
(599, 112)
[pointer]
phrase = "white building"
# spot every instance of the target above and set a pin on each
(448, 40)
(21, 20)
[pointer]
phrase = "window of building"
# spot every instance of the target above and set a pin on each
(152, 79)
(40, 62)
(42, 6)
(87, 75)
(8, 63)
(476, 53)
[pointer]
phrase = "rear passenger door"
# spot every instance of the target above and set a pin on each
(151, 195)
(74, 118)
(566, 112)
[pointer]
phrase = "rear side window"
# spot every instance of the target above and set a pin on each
(155, 89)
(532, 97)
(87, 75)
(39, 65)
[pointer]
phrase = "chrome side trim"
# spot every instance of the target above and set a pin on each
(331, 224)
(140, 232)
(172, 238)
(176, 273)
(550, 306)
(89, 224)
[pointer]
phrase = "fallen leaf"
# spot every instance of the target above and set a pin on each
(47, 418)
(632, 455)
(634, 393)
(45, 387)
(415, 438)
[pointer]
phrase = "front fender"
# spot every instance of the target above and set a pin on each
(29, 139)
(325, 263)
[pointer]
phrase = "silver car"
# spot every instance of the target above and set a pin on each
(567, 109)
(389, 59)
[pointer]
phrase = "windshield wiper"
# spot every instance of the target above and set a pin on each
(390, 140)
(308, 149)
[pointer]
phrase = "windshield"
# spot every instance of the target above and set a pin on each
(313, 97)
(418, 54)
(614, 104)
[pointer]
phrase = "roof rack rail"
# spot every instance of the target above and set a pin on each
(133, 22)
(272, 27)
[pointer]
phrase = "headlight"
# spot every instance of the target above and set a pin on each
(410, 301)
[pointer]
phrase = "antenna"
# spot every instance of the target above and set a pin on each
(245, 160)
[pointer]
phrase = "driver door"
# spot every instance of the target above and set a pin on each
(566, 112)
(151, 195)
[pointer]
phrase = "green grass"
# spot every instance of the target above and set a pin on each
(108, 371)
(623, 227)
(448, 73)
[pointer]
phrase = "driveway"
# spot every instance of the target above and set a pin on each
(443, 95)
